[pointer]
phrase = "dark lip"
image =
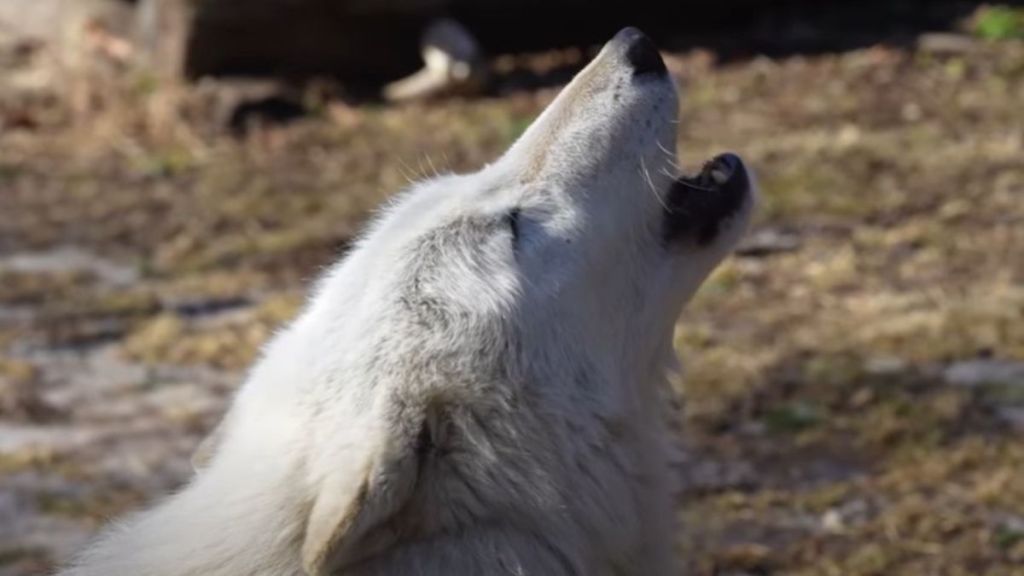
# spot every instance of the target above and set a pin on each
(697, 206)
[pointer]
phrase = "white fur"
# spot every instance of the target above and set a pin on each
(453, 402)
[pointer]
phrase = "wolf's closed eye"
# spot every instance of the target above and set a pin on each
(512, 219)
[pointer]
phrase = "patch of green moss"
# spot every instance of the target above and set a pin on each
(999, 23)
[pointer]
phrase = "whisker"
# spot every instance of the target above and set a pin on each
(672, 159)
(431, 164)
(407, 172)
(650, 183)
(669, 174)
(663, 149)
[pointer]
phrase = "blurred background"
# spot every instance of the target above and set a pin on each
(174, 173)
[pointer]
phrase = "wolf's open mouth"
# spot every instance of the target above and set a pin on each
(697, 206)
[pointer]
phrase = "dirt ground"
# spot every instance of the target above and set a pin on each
(854, 396)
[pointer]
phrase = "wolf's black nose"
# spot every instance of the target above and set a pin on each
(640, 52)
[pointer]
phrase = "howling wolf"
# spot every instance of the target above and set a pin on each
(477, 387)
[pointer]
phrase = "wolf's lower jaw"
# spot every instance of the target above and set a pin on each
(698, 205)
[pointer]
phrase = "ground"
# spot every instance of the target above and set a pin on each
(854, 391)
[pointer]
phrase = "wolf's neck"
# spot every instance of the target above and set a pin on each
(211, 528)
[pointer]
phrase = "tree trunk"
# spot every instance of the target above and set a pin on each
(165, 29)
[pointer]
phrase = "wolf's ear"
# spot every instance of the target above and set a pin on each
(356, 496)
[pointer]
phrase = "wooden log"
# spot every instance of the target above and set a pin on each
(302, 38)
(164, 31)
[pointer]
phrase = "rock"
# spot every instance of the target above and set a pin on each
(767, 242)
(973, 373)
(945, 43)
(1014, 417)
(71, 258)
(846, 515)
(832, 521)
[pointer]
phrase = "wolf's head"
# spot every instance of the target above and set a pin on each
(497, 333)
(584, 229)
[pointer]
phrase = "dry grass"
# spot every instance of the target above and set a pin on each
(815, 388)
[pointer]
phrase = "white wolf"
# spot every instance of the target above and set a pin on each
(477, 387)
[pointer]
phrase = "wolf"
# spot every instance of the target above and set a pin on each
(478, 386)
